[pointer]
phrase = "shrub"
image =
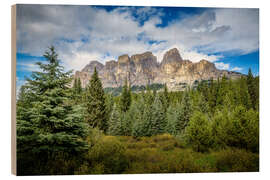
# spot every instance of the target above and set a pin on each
(106, 156)
(198, 132)
(236, 160)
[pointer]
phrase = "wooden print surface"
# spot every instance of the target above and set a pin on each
(133, 90)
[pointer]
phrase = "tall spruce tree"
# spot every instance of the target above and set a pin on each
(243, 95)
(77, 91)
(172, 120)
(185, 112)
(165, 98)
(252, 89)
(158, 120)
(138, 120)
(115, 122)
(49, 124)
(125, 100)
(95, 103)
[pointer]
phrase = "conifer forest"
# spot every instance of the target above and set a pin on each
(64, 129)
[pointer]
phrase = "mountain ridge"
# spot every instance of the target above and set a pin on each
(143, 69)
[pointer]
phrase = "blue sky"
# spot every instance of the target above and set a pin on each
(227, 37)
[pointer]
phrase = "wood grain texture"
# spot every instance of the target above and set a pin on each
(13, 90)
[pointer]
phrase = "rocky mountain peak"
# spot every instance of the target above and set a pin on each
(171, 56)
(110, 64)
(124, 59)
(91, 66)
(145, 59)
(171, 61)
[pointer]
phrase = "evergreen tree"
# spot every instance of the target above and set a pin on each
(198, 132)
(115, 123)
(173, 120)
(109, 103)
(138, 120)
(252, 89)
(125, 100)
(77, 91)
(79, 86)
(212, 96)
(148, 96)
(165, 98)
(243, 95)
(158, 121)
(185, 111)
(222, 90)
(95, 103)
(49, 124)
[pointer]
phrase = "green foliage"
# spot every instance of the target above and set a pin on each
(158, 121)
(236, 160)
(49, 124)
(253, 90)
(125, 99)
(186, 111)
(95, 103)
(165, 98)
(198, 132)
(115, 122)
(105, 157)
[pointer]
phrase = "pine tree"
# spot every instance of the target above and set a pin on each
(125, 99)
(165, 98)
(243, 95)
(198, 132)
(95, 103)
(148, 96)
(158, 121)
(49, 124)
(172, 120)
(77, 91)
(212, 96)
(185, 111)
(252, 89)
(115, 122)
(79, 86)
(138, 120)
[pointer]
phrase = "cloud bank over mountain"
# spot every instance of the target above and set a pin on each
(84, 33)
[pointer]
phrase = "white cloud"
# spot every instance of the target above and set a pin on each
(237, 69)
(28, 66)
(108, 34)
(223, 66)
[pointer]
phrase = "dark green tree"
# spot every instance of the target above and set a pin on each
(95, 103)
(77, 91)
(243, 95)
(165, 98)
(252, 89)
(185, 112)
(125, 99)
(158, 120)
(198, 132)
(115, 122)
(49, 125)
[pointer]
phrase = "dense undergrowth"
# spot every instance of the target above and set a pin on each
(161, 154)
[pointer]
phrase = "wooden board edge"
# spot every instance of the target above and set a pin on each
(13, 91)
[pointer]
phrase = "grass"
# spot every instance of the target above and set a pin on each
(162, 154)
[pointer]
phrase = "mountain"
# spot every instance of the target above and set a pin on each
(143, 69)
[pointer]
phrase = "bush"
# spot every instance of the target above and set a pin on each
(198, 132)
(106, 156)
(236, 160)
